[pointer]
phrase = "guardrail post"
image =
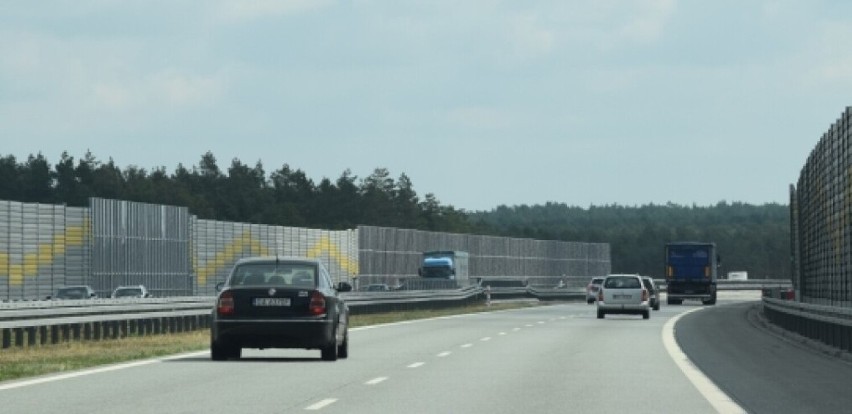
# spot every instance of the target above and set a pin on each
(98, 331)
(19, 337)
(31, 336)
(76, 330)
(87, 331)
(7, 338)
(54, 334)
(42, 335)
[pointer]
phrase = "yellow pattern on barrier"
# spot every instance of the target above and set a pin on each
(325, 245)
(44, 254)
(228, 255)
(245, 242)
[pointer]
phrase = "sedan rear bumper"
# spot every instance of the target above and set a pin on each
(624, 308)
(300, 333)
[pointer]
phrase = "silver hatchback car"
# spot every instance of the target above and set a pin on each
(620, 294)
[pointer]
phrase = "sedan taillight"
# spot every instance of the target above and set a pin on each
(317, 305)
(225, 305)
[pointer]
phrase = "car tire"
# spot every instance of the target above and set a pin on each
(343, 349)
(646, 315)
(590, 301)
(674, 301)
(329, 353)
(235, 352)
(657, 306)
(600, 315)
(218, 352)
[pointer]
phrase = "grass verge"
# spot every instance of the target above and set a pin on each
(17, 363)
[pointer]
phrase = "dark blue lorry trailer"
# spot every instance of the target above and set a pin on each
(691, 272)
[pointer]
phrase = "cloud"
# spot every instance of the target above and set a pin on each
(239, 11)
(529, 38)
(479, 117)
(649, 21)
(168, 87)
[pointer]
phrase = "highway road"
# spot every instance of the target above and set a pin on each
(547, 359)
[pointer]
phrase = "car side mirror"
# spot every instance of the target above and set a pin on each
(344, 287)
(219, 286)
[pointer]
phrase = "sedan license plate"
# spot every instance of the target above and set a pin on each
(621, 296)
(271, 301)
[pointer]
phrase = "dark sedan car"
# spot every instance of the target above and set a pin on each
(272, 302)
(75, 292)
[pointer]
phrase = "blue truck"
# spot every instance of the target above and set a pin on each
(691, 272)
(445, 264)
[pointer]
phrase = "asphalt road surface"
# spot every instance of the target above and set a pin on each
(550, 359)
(761, 370)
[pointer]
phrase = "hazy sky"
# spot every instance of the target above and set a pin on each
(481, 103)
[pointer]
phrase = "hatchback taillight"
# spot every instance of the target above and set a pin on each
(600, 295)
(317, 304)
(225, 305)
(644, 295)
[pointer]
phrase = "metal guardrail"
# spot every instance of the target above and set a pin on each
(829, 324)
(43, 322)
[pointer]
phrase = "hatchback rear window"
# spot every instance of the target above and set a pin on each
(622, 283)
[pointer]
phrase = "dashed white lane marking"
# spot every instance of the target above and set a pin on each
(322, 404)
(467, 345)
(375, 381)
(516, 329)
(718, 399)
(541, 322)
(443, 354)
(486, 339)
(502, 334)
(529, 325)
(417, 365)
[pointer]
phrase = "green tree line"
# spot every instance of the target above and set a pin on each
(749, 237)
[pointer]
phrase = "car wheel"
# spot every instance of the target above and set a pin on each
(343, 349)
(590, 301)
(236, 352)
(657, 306)
(600, 315)
(218, 352)
(329, 353)
(646, 315)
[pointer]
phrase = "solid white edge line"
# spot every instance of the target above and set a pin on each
(321, 404)
(76, 374)
(715, 396)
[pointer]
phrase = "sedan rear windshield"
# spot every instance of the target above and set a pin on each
(272, 274)
(622, 283)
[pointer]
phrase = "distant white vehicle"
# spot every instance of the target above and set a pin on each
(741, 275)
